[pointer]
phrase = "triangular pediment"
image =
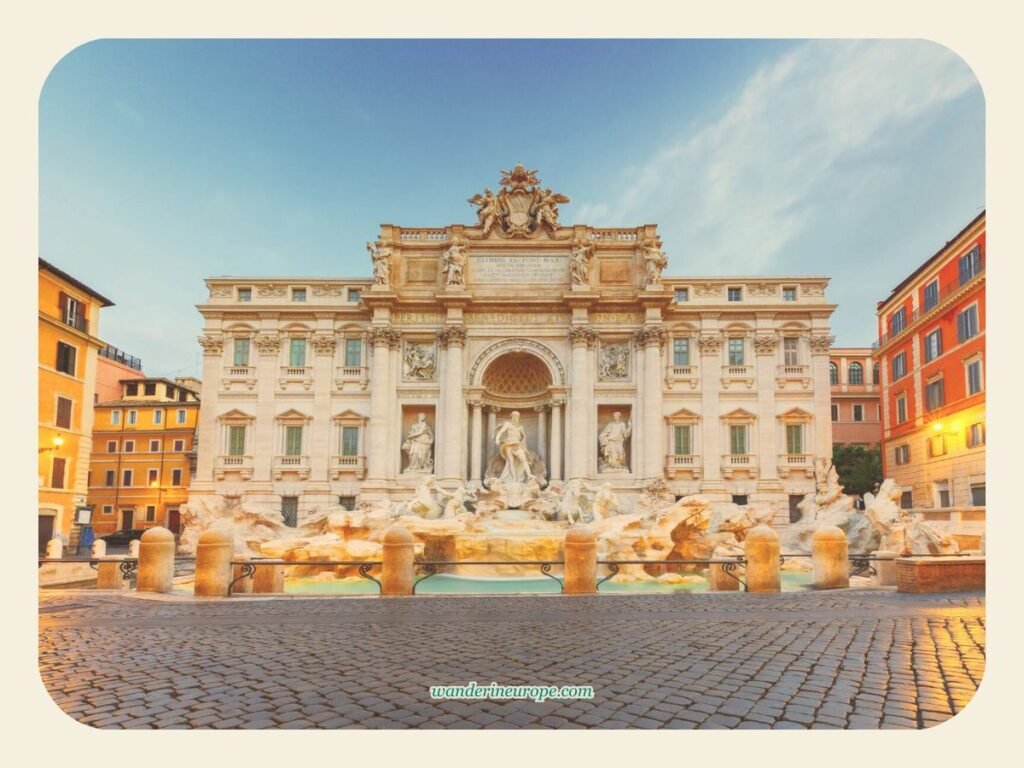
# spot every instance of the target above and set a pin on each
(293, 415)
(797, 414)
(236, 415)
(684, 414)
(348, 415)
(739, 414)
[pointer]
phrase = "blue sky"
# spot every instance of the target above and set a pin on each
(164, 162)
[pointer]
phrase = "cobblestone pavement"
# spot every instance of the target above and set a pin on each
(850, 659)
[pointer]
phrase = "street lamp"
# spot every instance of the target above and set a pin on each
(58, 441)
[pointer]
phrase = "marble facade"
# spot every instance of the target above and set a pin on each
(311, 387)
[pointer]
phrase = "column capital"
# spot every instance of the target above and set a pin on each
(212, 344)
(384, 335)
(651, 335)
(765, 343)
(710, 343)
(582, 334)
(452, 335)
(820, 344)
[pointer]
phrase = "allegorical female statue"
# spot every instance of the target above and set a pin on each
(418, 446)
(613, 443)
(454, 263)
(510, 438)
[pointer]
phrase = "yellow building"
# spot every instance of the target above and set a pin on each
(69, 316)
(143, 449)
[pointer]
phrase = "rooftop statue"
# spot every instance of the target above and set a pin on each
(521, 208)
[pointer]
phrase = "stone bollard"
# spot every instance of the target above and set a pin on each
(108, 573)
(580, 556)
(885, 568)
(55, 548)
(133, 548)
(830, 558)
(720, 581)
(399, 556)
(98, 549)
(761, 548)
(267, 579)
(241, 586)
(156, 561)
(213, 564)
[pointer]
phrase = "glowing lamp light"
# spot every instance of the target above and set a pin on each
(58, 441)
(937, 426)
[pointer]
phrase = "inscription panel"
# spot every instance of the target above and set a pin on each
(525, 269)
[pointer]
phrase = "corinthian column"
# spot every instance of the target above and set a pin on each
(555, 462)
(581, 402)
(452, 338)
(476, 442)
(381, 398)
(820, 345)
(652, 339)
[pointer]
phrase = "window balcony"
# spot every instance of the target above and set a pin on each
(687, 374)
(796, 462)
(346, 374)
(243, 375)
(679, 463)
(241, 465)
(296, 374)
(733, 375)
(739, 462)
(793, 374)
(343, 465)
(298, 465)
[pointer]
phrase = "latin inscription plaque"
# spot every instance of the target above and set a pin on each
(518, 270)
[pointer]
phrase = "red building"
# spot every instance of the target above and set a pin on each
(931, 357)
(856, 411)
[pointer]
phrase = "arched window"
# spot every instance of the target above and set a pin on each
(856, 373)
(833, 374)
(874, 373)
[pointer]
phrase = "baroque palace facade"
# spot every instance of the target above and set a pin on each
(323, 393)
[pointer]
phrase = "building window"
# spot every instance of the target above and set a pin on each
(152, 478)
(350, 441)
(970, 264)
(158, 416)
(978, 494)
(108, 509)
(179, 446)
(794, 439)
(736, 352)
(63, 419)
(182, 396)
(236, 440)
(241, 352)
(298, 294)
(181, 415)
(126, 479)
(171, 391)
(855, 373)
(898, 321)
(740, 500)
(931, 294)
(937, 446)
(933, 345)
(681, 440)
(57, 475)
(967, 323)
(738, 439)
(858, 412)
(833, 374)
(907, 500)
(680, 351)
(353, 295)
(108, 479)
(66, 358)
(835, 412)
(133, 416)
(154, 446)
(934, 395)
(149, 388)
(115, 417)
(353, 353)
(941, 488)
(150, 514)
(112, 446)
(901, 409)
(974, 377)
(735, 294)
(347, 502)
(176, 477)
(975, 435)
(791, 350)
(899, 366)
(682, 294)
(297, 353)
(129, 446)
(245, 294)
(131, 389)
(874, 374)
(293, 441)
(902, 454)
(789, 293)
(290, 510)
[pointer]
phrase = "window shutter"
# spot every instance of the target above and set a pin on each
(58, 473)
(63, 305)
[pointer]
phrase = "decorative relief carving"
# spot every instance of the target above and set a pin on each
(765, 344)
(710, 344)
(268, 343)
(706, 290)
(521, 208)
(452, 335)
(820, 344)
(418, 362)
(220, 292)
(324, 344)
(812, 289)
(212, 344)
(583, 334)
(614, 362)
(762, 289)
(652, 334)
(328, 290)
(271, 291)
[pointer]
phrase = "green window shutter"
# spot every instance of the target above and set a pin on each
(738, 439)
(353, 353)
(350, 441)
(293, 441)
(682, 440)
(794, 439)
(297, 353)
(236, 441)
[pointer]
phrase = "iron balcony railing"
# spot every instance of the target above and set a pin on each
(949, 289)
(115, 354)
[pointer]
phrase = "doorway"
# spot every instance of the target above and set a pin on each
(127, 518)
(174, 521)
(45, 531)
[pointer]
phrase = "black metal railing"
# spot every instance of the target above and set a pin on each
(730, 566)
(115, 354)
(430, 568)
(949, 289)
(248, 569)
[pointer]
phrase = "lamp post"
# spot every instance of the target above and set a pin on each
(58, 441)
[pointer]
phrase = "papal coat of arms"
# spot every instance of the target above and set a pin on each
(521, 208)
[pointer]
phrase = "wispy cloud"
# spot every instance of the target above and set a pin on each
(742, 185)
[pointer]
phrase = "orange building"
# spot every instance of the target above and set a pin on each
(143, 453)
(69, 316)
(931, 356)
(112, 367)
(856, 412)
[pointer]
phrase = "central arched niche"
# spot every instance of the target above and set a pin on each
(517, 381)
(517, 375)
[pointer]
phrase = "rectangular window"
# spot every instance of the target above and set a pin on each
(682, 294)
(112, 446)
(740, 500)
(154, 446)
(978, 494)
(933, 345)
(241, 354)
(931, 294)
(789, 293)
(131, 389)
(353, 295)
(353, 353)
(181, 415)
(66, 358)
(133, 416)
(738, 439)
(347, 502)
(835, 412)
(129, 446)
(297, 353)
(937, 446)
(349, 441)
(899, 366)
(171, 391)
(942, 493)
(150, 514)
(290, 510)
(292, 441)
(179, 446)
(735, 294)
(236, 441)
(858, 412)
(149, 388)
(681, 442)
(967, 323)
(115, 417)
(245, 294)
(176, 477)
(901, 409)
(63, 419)
(898, 321)
(57, 476)
(298, 294)
(970, 264)
(902, 454)
(126, 479)
(907, 500)
(735, 351)
(974, 377)
(158, 416)
(975, 435)
(680, 351)
(934, 395)
(791, 350)
(152, 477)
(108, 509)
(794, 439)
(108, 479)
